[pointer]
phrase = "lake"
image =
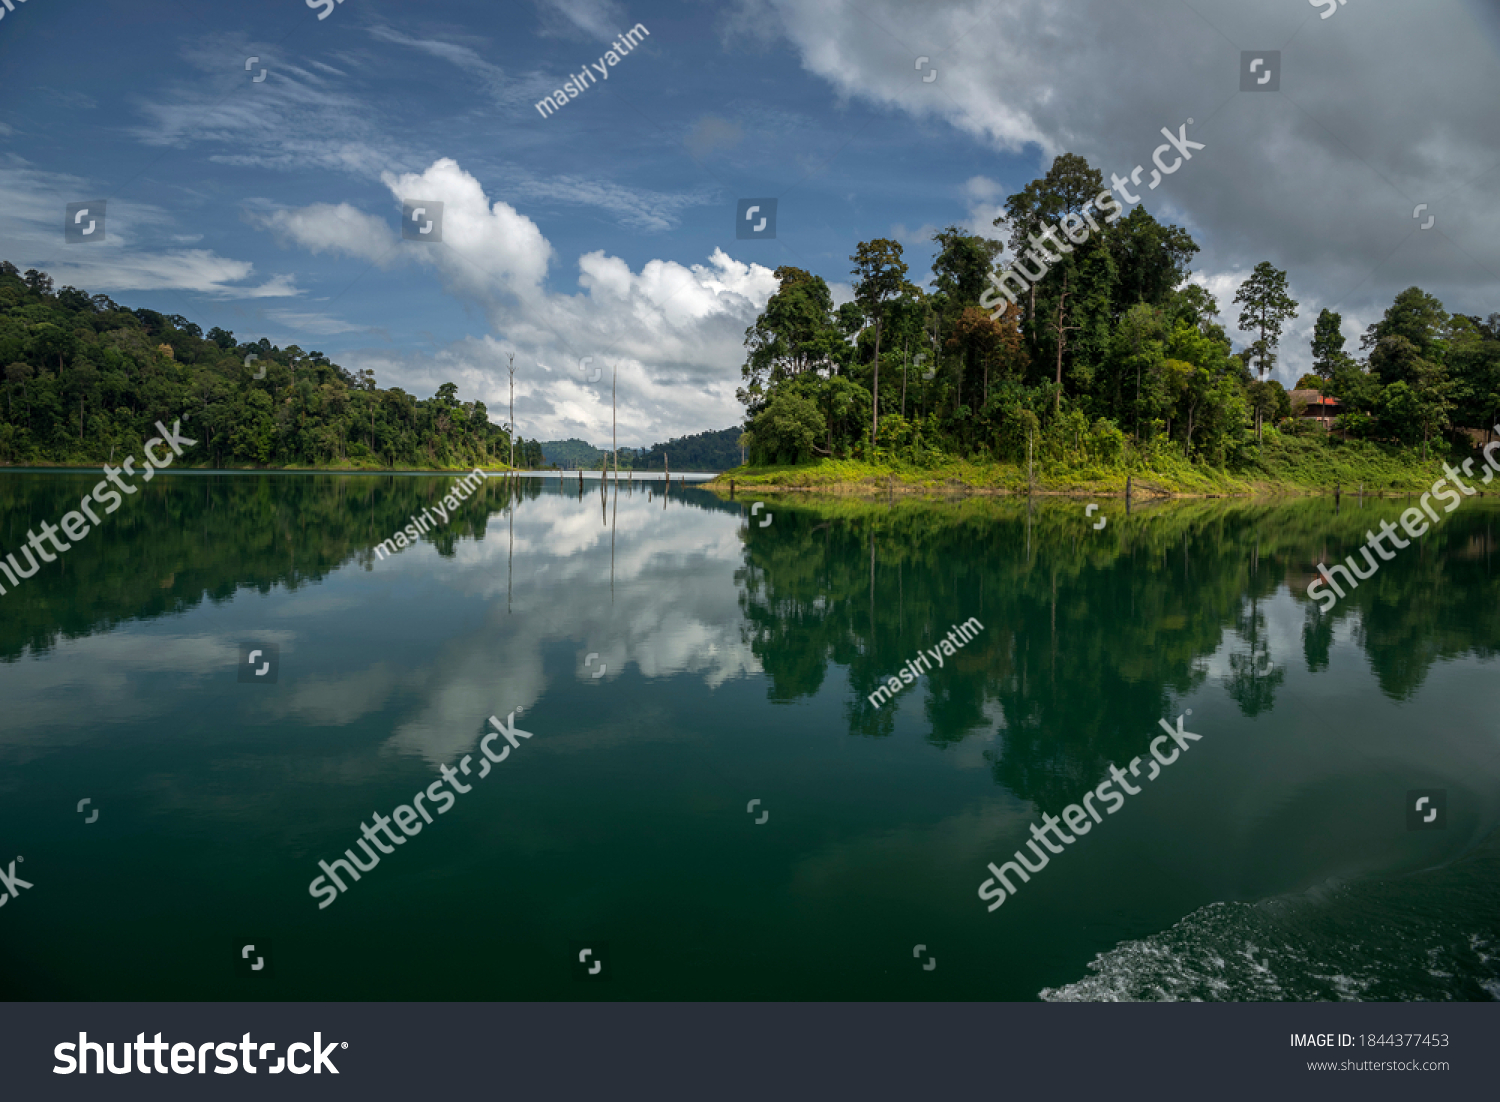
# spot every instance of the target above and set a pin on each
(710, 805)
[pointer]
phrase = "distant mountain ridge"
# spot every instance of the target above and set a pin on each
(572, 454)
(715, 450)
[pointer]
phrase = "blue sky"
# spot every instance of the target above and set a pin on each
(607, 230)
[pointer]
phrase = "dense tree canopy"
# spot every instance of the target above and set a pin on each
(1110, 356)
(85, 379)
(718, 450)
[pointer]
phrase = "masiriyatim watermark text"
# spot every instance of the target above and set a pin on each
(421, 525)
(593, 72)
(915, 667)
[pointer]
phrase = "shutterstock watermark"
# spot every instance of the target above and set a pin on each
(73, 525)
(406, 818)
(576, 84)
(189, 1058)
(1180, 141)
(9, 5)
(914, 668)
(1077, 227)
(1078, 817)
(326, 5)
(10, 886)
(1412, 520)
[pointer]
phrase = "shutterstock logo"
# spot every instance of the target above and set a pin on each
(84, 223)
(421, 220)
(259, 663)
(1260, 71)
(756, 218)
(189, 1058)
(1427, 809)
(10, 886)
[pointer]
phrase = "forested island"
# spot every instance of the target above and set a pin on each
(85, 380)
(1109, 362)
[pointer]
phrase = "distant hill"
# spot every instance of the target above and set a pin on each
(571, 454)
(86, 379)
(704, 451)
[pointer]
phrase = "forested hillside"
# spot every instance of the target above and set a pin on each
(85, 379)
(704, 451)
(1101, 352)
(574, 454)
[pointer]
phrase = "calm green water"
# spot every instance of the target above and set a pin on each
(1273, 860)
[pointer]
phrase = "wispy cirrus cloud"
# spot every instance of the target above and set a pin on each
(639, 208)
(462, 52)
(599, 20)
(322, 325)
(32, 206)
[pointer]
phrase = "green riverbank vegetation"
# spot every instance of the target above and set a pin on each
(85, 380)
(1111, 364)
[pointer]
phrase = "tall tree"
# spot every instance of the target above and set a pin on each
(1328, 344)
(1060, 330)
(1070, 184)
(1267, 309)
(795, 333)
(1151, 260)
(994, 345)
(881, 275)
(1418, 391)
(962, 266)
(1415, 315)
(1474, 362)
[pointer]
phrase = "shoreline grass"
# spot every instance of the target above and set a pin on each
(1285, 465)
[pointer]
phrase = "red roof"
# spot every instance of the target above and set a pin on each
(1310, 397)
